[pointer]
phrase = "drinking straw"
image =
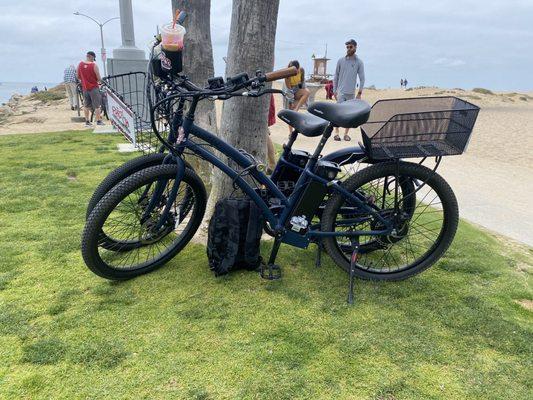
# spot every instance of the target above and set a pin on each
(175, 18)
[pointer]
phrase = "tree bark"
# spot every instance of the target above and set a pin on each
(198, 65)
(244, 121)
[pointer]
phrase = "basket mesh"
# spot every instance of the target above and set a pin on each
(133, 91)
(420, 127)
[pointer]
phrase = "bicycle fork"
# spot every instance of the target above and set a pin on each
(158, 192)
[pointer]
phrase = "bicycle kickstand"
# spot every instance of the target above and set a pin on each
(353, 261)
(318, 259)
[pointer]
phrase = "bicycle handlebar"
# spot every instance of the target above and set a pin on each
(281, 74)
(186, 88)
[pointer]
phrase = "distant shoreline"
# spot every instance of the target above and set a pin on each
(8, 89)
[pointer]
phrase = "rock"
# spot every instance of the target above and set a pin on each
(16, 98)
(5, 111)
(24, 109)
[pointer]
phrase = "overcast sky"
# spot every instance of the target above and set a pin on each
(448, 43)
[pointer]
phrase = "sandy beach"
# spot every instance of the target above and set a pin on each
(491, 180)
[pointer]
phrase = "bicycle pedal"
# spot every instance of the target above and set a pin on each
(271, 272)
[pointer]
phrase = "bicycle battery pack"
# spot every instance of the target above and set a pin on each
(311, 198)
(287, 173)
(306, 207)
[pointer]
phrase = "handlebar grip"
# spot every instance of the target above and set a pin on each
(280, 74)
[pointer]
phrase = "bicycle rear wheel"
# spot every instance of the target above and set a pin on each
(422, 234)
(140, 247)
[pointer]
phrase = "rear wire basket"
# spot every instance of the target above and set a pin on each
(419, 127)
(136, 93)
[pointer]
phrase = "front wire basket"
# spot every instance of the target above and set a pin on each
(419, 127)
(132, 94)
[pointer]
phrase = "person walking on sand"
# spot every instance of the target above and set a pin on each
(70, 81)
(401, 83)
(348, 69)
(89, 75)
(405, 83)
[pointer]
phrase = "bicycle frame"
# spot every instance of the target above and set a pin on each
(191, 130)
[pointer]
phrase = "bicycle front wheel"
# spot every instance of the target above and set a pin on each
(423, 231)
(121, 214)
(114, 178)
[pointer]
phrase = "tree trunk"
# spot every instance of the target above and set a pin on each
(198, 66)
(244, 121)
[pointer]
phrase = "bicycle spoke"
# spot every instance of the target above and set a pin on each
(128, 243)
(414, 238)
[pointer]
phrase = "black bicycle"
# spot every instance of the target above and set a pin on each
(135, 88)
(388, 221)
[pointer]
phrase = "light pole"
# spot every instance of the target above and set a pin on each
(101, 25)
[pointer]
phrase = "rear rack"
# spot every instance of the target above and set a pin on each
(419, 127)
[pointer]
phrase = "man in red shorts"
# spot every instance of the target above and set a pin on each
(89, 75)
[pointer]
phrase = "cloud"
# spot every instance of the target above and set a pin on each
(430, 43)
(448, 62)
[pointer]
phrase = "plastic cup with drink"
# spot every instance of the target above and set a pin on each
(172, 37)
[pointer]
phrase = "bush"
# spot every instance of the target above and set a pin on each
(48, 96)
(482, 91)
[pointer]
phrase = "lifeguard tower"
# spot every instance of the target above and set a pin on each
(320, 75)
(320, 68)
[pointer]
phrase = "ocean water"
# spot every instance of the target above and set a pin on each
(7, 89)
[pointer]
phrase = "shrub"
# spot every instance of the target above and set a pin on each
(482, 91)
(48, 96)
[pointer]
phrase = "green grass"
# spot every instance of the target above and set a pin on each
(453, 332)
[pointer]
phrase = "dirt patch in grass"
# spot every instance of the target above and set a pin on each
(527, 304)
(72, 175)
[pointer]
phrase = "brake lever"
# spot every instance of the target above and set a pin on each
(287, 94)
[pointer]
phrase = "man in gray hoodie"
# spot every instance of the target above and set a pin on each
(345, 80)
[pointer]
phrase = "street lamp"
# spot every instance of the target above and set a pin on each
(101, 25)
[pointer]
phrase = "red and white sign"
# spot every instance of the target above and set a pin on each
(120, 116)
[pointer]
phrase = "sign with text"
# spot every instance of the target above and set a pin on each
(121, 116)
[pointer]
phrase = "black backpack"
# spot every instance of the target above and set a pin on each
(234, 236)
